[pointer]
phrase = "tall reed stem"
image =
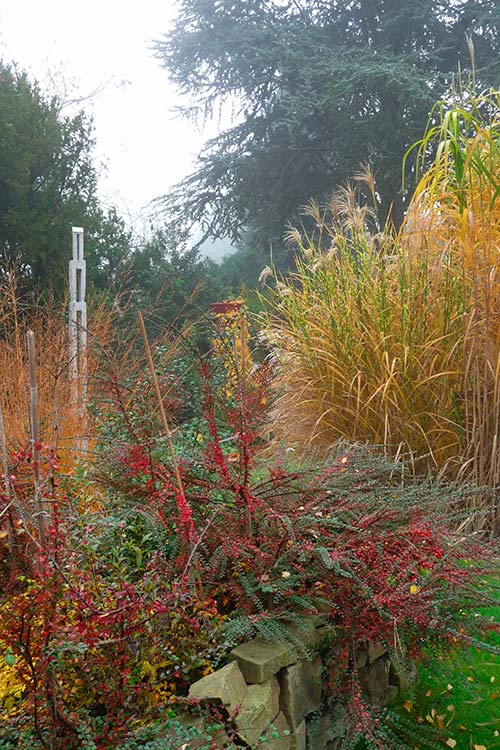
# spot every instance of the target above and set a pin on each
(163, 416)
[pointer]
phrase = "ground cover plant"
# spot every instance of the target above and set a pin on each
(191, 550)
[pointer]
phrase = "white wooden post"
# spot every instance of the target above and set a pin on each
(78, 323)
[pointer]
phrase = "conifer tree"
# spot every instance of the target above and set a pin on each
(317, 87)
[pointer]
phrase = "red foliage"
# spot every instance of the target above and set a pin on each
(343, 541)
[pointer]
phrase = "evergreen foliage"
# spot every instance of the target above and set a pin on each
(48, 184)
(168, 278)
(317, 88)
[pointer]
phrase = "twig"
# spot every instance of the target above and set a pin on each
(197, 544)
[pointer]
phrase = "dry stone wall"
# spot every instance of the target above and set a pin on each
(276, 696)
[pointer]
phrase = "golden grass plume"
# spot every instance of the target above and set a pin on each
(395, 340)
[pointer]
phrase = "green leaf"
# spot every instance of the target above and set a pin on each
(9, 658)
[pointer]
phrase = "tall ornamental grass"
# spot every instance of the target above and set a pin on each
(394, 340)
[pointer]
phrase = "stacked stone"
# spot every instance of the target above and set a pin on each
(268, 692)
(275, 696)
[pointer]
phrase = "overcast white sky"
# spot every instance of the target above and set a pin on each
(94, 43)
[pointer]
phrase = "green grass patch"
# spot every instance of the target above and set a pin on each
(459, 694)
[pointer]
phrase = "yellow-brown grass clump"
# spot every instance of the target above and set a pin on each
(394, 340)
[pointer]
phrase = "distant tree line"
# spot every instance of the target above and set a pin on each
(48, 183)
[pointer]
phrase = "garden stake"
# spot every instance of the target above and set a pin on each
(187, 520)
(6, 479)
(35, 437)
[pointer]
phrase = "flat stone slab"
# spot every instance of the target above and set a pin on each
(304, 631)
(259, 659)
(324, 731)
(361, 658)
(375, 681)
(299, 737)
(226, 685)
(259, 709)
(283, 739)
(376, 649)
(402, 678)
(300, 690)
(204, 729)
